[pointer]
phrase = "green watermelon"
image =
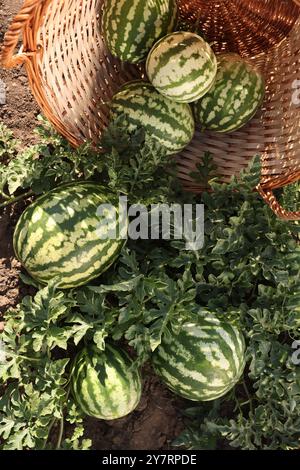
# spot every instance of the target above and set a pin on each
(182, 66)
(171, 124)
(236, 96)
(131, 27)
(105, 384)
(60, 236)
(203, 361)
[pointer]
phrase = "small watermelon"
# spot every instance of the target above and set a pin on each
(234, 99)
(131, 27)
(182, 66)
(171, 124)
(105, 384)
(60, 236)
(203, 361)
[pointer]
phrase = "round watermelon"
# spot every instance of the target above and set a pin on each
(203, 361)
(131, 27)
(182, 66)
(171, 124)
(62, 235)
(105, 384)
(234, 99)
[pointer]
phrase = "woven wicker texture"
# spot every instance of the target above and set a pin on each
(73, 78)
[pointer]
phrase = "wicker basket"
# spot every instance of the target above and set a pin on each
(73, 78)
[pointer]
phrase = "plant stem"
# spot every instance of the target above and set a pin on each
(61, 431)
(4, 196)
(248, 396)
(61, 427)
(26, 358)
(32, 359)
(238, 405)
(16, 199)
(49, 431)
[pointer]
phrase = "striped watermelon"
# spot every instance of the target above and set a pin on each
(171, 124)
(203, 361)
(105, 385)
(61, 236)
(182, 66)
(131, 27)
(234, 99)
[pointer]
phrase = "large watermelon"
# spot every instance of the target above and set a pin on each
(105, 385)
(131, 27)
(61, 236)
(182, 66)
(171, 124)
(203, 361)
(235, 97)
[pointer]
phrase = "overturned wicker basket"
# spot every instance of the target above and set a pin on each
(73, 77)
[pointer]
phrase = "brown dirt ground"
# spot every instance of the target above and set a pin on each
(20, 110)
(157, 421)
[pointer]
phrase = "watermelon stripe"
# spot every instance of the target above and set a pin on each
(131, 27)
(171, 124)
(234, 99)
(235, 102)
(80, 278)
(209, 352)
(171, 46)
(89, 394)
(146, 94)
(159, 112)
(229, 95)
(115, 372)
(71, 263)
(137, 22)
(153, 123)
(179, 367)
(59, 236)
(182, 96)
(166, 122)
(130, 11)
(182, 66)
(203, 361)
(129, 382)
(81, 372)
(231, 345)
(104, 384)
